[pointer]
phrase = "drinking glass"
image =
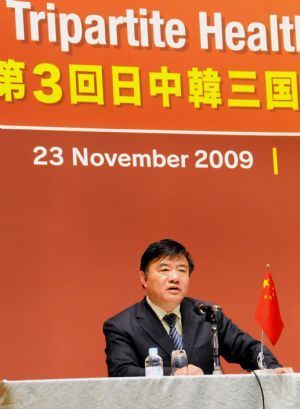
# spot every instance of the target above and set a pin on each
(179, 361)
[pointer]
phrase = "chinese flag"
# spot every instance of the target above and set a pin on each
(267, 313)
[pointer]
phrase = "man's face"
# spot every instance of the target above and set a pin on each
(167, 281)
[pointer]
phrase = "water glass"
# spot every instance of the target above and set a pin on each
(179, 361)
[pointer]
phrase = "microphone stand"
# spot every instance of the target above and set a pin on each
(211, 317)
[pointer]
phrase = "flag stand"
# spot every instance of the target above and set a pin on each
(263, 370)
(260, 357)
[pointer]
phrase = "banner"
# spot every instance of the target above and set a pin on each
(193, 67)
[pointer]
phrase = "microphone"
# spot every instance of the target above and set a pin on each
(202, 308)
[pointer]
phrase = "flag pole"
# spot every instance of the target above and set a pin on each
(260, 357)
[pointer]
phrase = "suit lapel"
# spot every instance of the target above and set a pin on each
(151, 324)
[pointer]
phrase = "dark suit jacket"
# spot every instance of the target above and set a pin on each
(131, 333)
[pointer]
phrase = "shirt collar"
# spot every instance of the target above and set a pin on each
(160, 312)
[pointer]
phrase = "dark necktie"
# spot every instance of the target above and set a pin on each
(174, 336)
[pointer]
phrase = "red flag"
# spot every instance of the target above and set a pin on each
(267, 313)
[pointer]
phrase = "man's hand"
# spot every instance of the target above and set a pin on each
(192, 370)
(283, 370)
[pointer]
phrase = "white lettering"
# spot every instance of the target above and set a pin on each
(96, 33)
(258, 40)
(235, 30)
(274, 32)
(131, 22)
(297, 32)
(111, 160)
(287, 27)
(19, 7)
(97, 159)
(35, 18)
(144, 28)
(215, 29)
(68, 23)
(82, 158)
(175, 28)
(51, 23)
(138, 160)
(157, 23)
(124, 160)
(114, 23)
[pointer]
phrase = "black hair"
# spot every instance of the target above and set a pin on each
(164, 248)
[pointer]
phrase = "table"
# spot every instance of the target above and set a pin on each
(190, 392)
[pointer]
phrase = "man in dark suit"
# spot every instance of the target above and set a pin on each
(165, 271)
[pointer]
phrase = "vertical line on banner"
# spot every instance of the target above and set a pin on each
(275, 161)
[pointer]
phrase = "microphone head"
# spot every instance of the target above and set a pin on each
(202, 308)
